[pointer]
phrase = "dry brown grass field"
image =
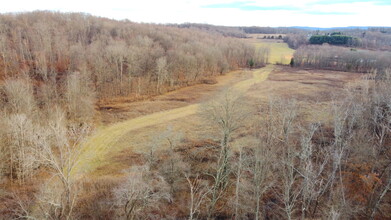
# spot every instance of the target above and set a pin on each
(129, 139)
(129, 127)
(162, 111)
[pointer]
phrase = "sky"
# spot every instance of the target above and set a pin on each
(273, 13)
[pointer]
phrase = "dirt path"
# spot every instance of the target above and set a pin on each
(96, 148)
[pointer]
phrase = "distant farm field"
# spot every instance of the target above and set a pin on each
(280, 53)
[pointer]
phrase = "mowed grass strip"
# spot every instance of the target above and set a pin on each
(104, 140)
(96, 149)
(279, 52)
(259, 75)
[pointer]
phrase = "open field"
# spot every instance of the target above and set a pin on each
(280, 53)
(116, 110)
(113, 138)
(104, 153)
(314, 89)
(128, 128)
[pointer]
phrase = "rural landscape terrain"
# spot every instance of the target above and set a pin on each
(109, 119)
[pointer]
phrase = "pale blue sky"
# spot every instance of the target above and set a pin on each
(320, 13)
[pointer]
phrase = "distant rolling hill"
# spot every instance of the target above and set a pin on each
(332, 28)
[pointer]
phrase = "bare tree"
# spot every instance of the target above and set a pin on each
(19, 96)
(227, 115)
(22, 146)
(282, 116)
(383, 193)
(312, 169)
(161, 72)
(172, 166)
(59, 147)
(239, 176)
(380, 125)
(141, 189)
(156, 142)
(80, 98)
(198, 193)
(289, 177)
(261, 170)
(20, 133)
(116, 56)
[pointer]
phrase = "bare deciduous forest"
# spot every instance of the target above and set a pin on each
(342, 59)
(107, 119)
(118, 58)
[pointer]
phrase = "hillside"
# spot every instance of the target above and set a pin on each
(139, 59)
(108, 119)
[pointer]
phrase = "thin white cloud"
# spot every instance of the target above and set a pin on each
(319, 13)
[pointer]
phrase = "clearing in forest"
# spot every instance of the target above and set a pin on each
(279, 52)
(106, 140)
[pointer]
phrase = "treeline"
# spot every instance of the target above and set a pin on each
(331, 39)
(294, 41)
(241, 31)
(270, 30)
(378, 38)
(341, 59)
(120, 58)
(224, 30)
(385, 30)
(373, 38)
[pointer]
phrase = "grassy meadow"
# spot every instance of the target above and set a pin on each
(280, 53)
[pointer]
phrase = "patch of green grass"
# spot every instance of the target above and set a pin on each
(279, 52)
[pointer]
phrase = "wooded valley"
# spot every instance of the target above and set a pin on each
(107, 119)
